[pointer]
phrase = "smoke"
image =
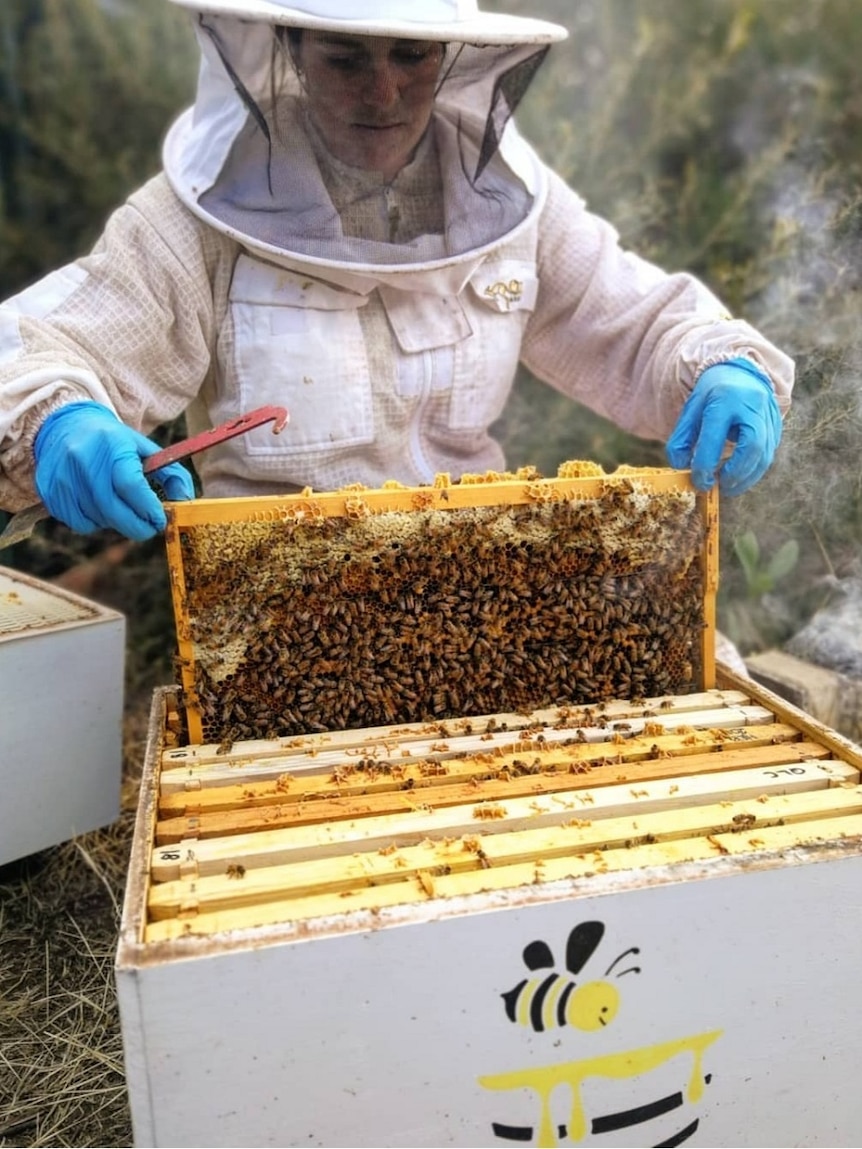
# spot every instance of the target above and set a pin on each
(792, 132)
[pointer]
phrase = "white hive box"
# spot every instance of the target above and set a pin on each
(61, 712)
(622, 920)
(660, 950)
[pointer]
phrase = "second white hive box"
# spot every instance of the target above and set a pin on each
(61, 711)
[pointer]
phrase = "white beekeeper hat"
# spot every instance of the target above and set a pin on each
(447, 20)
(243, 159)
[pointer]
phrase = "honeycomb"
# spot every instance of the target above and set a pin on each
(293, 620)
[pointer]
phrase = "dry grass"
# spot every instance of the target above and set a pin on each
(61, 1060)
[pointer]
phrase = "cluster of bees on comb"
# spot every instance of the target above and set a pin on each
(306, 622)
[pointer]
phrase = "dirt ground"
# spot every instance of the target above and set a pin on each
(62, 1080)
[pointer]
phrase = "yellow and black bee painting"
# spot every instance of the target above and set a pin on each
(553, 999)
(584, 997)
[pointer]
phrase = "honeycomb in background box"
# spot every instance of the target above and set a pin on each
(293, 619)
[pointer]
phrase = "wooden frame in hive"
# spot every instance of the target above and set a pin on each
(295, 830)
(353, 609)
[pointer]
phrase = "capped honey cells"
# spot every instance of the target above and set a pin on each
(501, 593)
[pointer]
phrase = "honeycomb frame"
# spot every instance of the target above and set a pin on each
(311, 612)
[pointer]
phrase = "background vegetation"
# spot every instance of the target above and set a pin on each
(719, 136)
(723, 137)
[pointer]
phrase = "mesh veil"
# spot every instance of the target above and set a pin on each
(277, 184)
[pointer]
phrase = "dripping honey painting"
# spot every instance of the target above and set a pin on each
(554, 998)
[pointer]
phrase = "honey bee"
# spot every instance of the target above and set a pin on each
(555, 1000)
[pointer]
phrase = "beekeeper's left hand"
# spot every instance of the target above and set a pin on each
(731, 402)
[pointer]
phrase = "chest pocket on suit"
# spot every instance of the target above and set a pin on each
(499, 300)
(298, 343)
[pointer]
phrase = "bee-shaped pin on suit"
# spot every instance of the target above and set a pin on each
(555, 1000)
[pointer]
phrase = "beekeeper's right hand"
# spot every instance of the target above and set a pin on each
(89, 473)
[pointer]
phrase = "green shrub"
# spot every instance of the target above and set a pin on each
(87, 89)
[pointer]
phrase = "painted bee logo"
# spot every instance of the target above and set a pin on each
(557, 1000)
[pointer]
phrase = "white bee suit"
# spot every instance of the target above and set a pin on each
(389, 319)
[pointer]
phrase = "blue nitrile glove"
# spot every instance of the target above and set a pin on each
(89, 473)
(730, 401)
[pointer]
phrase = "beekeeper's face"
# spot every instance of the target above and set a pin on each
(370, 97)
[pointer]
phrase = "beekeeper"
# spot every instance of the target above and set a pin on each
(349, 225)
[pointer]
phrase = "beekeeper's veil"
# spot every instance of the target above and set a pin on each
(243, 158)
